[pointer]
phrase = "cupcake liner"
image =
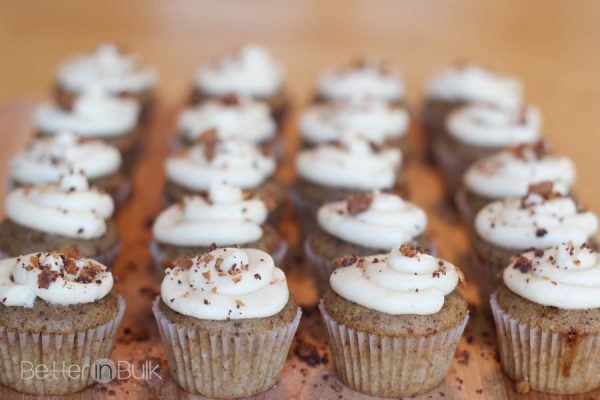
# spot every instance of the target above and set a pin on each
(390, 366)
(225, 365)
(451, 166)
(305, 212)
(543, 360)
(20, 351)
(321, 267)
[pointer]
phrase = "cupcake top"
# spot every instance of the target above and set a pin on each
(251, 71)
(59, 277)
(472, 83)
(405, 281)
(109, 68)
(352, 163)
(47, 159)
(365, 79)
(235, 161)
(481, 125)
(95, 113)
(230, 116)
(224, 217)
(226, 283)
(67, 208)
(511, 172)
(566, 276)
(542, 218)
(376, 220)
(376, 120)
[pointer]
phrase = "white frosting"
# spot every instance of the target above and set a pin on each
(236, 162)
(566, 276)
(95, 113)
(375, 120)
(108, 68)
(227, 283)
(47, 159)
(356, 82)
(224, 218)
(485, 126)
(68, 208)
(251, 71)
(473, 84)
(397, 284)
(19, 280)
(507, 174)
(352, 165)
(387, 222)
(533, 221)
(248, 119)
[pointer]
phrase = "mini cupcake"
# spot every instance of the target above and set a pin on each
(117, 72)
(47, 159)
(234, 161)
(542, 218)
(251, 71)
(547, 317)
(478, 130)
(362, 225)
(394, 321)
(509, 174)
(223, 217)
(57, 310)
(362, 80)
(227, 320)
(68, 213)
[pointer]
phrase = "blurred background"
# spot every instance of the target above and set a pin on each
(554, 46)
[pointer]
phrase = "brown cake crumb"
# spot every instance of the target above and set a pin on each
(183, 262)
(522, 387)
(229, 99)
(540, 232)
(308, 353)
(72, 252)
(523, 264)
(358, 203)
(344, 261)
(408, 251)
(46, 277)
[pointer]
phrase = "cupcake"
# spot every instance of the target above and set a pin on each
(362, 80)
(542, 218)
(509, 174)
(333, 171)
(234, 161)
(363, 225)
(227, 320)
(547, 317)
(47, 159)
(57, 311)
(463, 84)
(117, 72)
(223, 217)
(251, 71)
(479, 130)
(394, 321)
(53, 216)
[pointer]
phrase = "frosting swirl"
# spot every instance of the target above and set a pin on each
(375, 120)
(231, 117)
(365, 79)
(223, 218)
(405, 281)
(511, 172)
(95, 113)
(251, 71)
(68, 208)
(237, 162)
(472, 83)
(112, 70)
(566, 276)
(487, 126)
(61, 278)
(226, 283)
(376, 220)
(47, 159)
(353, 164)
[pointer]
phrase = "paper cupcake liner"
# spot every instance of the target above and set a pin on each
(20, 352)
(390, 366)
(227, 365)
(451, 166)
(321, 267)
(305, 212)
(488, 276)
(546, 361)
